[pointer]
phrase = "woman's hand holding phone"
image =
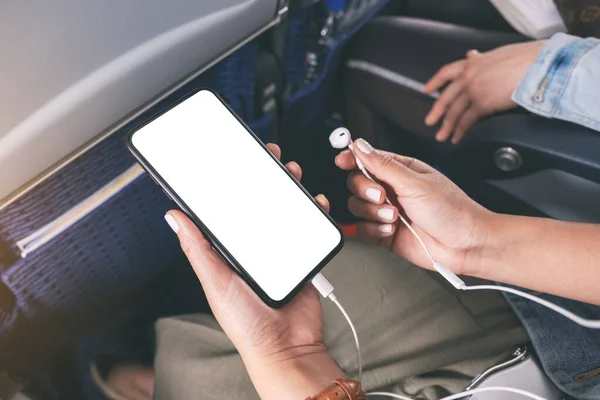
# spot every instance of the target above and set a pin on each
(283, 348)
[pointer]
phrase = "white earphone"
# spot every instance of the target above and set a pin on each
(340, 138)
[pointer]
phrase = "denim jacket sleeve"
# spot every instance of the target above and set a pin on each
(564, 82)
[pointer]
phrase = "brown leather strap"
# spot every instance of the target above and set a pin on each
(341, 389)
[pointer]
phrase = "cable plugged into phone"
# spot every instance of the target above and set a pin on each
(326, 290)
(323, 286)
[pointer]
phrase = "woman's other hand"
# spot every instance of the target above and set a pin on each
(478, 86)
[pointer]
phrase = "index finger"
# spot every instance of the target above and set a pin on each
(346, 161)
(445, 74)
(413, 164)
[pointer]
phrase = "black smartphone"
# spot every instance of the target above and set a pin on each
(257, 216)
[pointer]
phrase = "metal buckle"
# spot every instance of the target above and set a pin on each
(518, 356)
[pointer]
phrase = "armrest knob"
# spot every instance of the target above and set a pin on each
(508, 159)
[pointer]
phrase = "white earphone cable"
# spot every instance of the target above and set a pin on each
(467, 393)
(586, 323)
(404, 221)
(459, 284)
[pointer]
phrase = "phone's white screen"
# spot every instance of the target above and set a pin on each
(225, 177)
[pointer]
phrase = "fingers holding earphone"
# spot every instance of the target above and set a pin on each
(365, 189)
(382, 214)
(374, 232)
(367, 203)
(346, 161)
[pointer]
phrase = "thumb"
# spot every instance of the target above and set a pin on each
(384, 166)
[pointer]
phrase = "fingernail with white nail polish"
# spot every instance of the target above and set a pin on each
(172, 223)
(386, 213)
(385, 228)
(374, 194)
(364, 146)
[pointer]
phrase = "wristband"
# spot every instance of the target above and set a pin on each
(341, 389)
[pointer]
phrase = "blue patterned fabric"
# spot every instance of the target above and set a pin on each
(56, 293)
(233, 79)
(310, 102)
(296, 45)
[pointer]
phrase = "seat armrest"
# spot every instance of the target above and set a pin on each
(541, 143)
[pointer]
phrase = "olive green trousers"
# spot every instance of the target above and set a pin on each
(419, 336)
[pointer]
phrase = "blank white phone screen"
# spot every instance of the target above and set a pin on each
(225, 177)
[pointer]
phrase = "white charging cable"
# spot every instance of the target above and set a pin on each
(326, 290)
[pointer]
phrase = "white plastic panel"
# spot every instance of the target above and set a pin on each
(70, 69)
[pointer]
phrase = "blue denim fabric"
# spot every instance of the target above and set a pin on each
(564, 83)
(570, 354)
